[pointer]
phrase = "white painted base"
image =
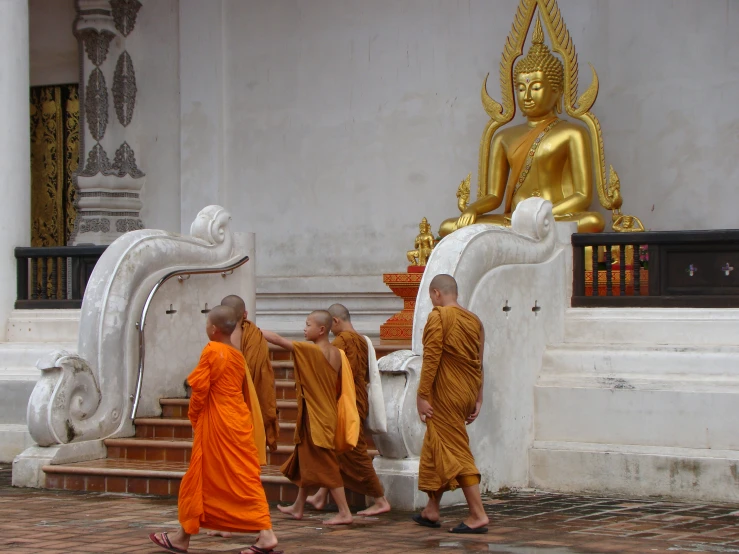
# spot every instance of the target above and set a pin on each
(43, 326)
(27, 466)
(284, 302)
(399, 478)
(636, 471)
(14, 439)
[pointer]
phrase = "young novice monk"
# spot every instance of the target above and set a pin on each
(248, 338)
(356, 467)
(313, 463)
(449, 397)
(221, 489)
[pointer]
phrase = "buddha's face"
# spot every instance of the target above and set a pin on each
(536, 96)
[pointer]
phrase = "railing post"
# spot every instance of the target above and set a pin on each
(578, 271)
(21, 277)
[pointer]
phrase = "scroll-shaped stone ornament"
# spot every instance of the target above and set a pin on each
(90, 395)
(468, 255)
(124, 88)
(400, 373)
(63, 400)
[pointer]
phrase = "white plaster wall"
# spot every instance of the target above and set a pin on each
(54, 55)
(155, 128)
(331, 127)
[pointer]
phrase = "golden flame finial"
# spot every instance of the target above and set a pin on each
(538, 37)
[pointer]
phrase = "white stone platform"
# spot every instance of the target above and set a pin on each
(31, 334)
(640, 402)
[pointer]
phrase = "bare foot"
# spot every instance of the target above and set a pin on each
(178, 539)
(430, 514)
(380, 506)
(318, 500)
(267, 542)
(224, 534)
(476, 523)
(339, 519)
(291, 511)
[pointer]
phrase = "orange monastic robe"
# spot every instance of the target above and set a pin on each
(356, 467)
(318, 385)
(222, 489)
(256, 352)
(450, 381)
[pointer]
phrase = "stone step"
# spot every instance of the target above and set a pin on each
(634, 366)
(176, 451)
(684, 326)
(44, 325)
(176, 408)
(157, 478)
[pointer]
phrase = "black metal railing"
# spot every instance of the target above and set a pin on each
(54, 277)
(658, 269)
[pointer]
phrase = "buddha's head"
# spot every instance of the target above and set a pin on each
(539, 78)
(424, 226)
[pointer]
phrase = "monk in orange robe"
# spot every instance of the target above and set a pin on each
(356, 467)
(222, 489)
(313, 463)
(449, 397)
(248, 337)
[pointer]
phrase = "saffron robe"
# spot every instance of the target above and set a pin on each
(222, 489)
(450, 381)
(256, 352)
(318, 385)
(357, 471)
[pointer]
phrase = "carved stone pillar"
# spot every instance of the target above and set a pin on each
(109, 181)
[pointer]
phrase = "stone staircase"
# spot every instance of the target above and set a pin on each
(648, 397)
(155, 459)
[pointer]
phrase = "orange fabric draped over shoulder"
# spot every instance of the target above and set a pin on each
(222, 489)
(450, 381)
(357, 471)
(256, 352)
(313, 461)
(517, 153)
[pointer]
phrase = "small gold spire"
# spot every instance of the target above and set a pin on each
(538, 37)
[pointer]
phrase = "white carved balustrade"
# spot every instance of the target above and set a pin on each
(88, 396)
(519, 269)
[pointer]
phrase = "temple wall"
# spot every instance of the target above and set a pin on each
(53, 48)
(336, 126)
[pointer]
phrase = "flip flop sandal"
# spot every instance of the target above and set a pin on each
(418, 518)
(256, 550)
(462, 528)
(165, 543)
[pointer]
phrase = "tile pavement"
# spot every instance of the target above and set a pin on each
(522, 522)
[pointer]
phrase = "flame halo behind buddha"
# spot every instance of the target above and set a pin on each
(546, 156)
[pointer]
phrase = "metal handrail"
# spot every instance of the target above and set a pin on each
(141, 324)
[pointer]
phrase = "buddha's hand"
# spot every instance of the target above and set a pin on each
(468, 217)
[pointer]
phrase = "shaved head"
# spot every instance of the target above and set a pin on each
(235, 302)
(224, 319)
(444, 283)
(322, 317)
(339, 311)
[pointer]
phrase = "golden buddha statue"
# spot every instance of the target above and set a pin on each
(547, 156)
(423, 246)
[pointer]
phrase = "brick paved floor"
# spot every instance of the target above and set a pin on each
(523, 522)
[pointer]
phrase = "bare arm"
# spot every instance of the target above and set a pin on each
(481, 351)
(582, 176)
(494, 188)
(277, 340)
